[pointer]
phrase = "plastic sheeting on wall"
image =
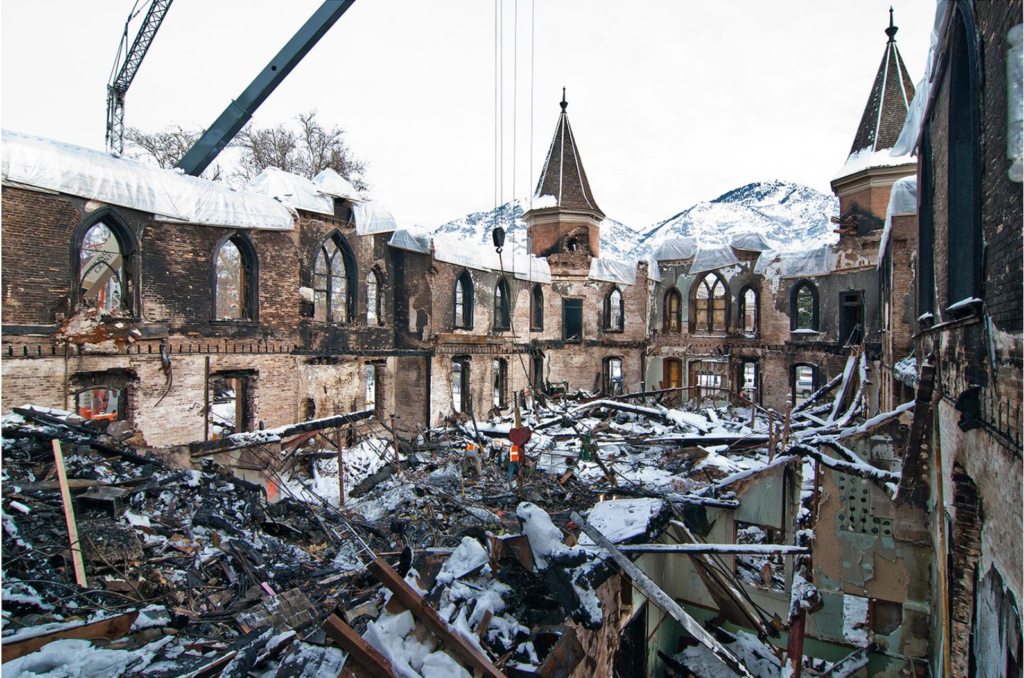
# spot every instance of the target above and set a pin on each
(414, 241)
(907, 140)
(817, 261)
(96, 175)
(372, 217)
(709, 258)
(902, 200)
(610, 270)
(751, 242)
(297, 192)
(330, 182)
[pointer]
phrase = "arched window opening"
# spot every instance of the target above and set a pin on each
(613, 311)
(373, 310)
(804, 307)
(964, 263)
(709, 304)
(501, 305)
(464, 301)
(748, 311)
(235, 280)
(333, 281)
(673, 311)
(104, 271)
(805, 382)
(100, 403)
(613, 378)
(537, 308)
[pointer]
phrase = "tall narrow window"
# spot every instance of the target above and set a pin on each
(804, 382)
(707, 379)
(538, 372)
(334, 281)
(460, 385)
(709, 304)
(572, 320)
(105, 255)
(463, 301)
(748, 380)
(748, 311)
(613, 376)
(851, 318)
(230, 407)
(501, 305)
(235, 280)
(673, 373)
(964, 271)
(537, 308)
(373, 314)
(500, 383)
(804, 307)
(673, 311)
(926, 230)
(613, 311)
(370, 402)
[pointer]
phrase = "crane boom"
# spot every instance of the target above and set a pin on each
(239, 111)
(119, 84)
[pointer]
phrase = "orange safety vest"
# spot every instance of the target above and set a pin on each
(514, 453)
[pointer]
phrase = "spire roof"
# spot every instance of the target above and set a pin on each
(891, 94)
(563, 176)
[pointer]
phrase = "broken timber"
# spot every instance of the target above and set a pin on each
(69, 515)
(243, 439)
(108, 629)
(657, 596)
(429, 617)
(762, 549)
(358, 649)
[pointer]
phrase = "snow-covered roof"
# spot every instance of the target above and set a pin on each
(902, 200)
(676, 248)
(108, 178)
(455, 250)
(373, 217)
(414, 241)
(708, 258)
(293, 190)
(809, 262)
(752, 242)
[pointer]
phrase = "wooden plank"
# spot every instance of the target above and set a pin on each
(69, 515)
(109, 629)
(428, 616)
(658, 596)
(757, 549)
(358, 649)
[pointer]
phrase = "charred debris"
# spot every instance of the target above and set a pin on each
(246, 556)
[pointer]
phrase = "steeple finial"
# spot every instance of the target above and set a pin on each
(891, 30)
(564, 103)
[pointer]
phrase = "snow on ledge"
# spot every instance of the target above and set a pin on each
(867, 157)
(104, 177)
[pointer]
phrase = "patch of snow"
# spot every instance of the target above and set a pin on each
(622, 519)
(868, 157)
(855, 620)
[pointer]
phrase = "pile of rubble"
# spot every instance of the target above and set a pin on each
(372, 560)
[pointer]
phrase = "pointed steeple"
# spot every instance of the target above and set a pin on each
(891, 94)
(563, 176)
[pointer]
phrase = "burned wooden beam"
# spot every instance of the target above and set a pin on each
(658, 596)
(429, 617)
(111, 628)
(243, 439)
(358, 649)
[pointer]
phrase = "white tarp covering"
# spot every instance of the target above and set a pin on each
(710, 258)
(456, 250)
(902, 200)
(96, 175)
(297, 192)
(330, 182)
(414, 241)
(610, 270)
(653, 270)
(676, 248)
(531, 268)
(907, 140)
(767, 258)
(751, 242)
(1015, 101)
(373, 217)
(817, 261)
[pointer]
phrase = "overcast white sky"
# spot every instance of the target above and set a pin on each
(671, 102)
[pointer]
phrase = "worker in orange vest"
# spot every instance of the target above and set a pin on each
(472, 457)
(513, 462)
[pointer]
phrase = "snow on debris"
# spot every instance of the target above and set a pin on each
(622, 519)
(392, 635)
(867, 157)
(905, 371)
(751, 652)
(79, 659)
(546, 540)
(95, 175)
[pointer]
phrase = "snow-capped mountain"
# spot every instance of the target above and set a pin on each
(618, 241)
(788, 215)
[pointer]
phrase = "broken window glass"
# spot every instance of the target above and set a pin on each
(102, 280)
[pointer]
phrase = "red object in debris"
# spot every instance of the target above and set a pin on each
(571, 526)
(520, 436)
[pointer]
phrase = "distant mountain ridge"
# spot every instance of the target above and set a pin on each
(790, 216)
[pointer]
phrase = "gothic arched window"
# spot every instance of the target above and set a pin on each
(614, 311)
(463, 301)
(502, 304)
(709, 304)
(673, 321)
(748, 311)
(804, 306)
(235, 283)
(334, 281)
(105, 265)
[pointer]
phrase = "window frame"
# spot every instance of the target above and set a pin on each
(378, 305)
(351, 267)
(609, 305)
(499, 383)
(566, 303)
(672, 322)
(130, 270)
(465, 405)
(463, 321)
(816, 381)
(537, 308)
(248, 261)
(741, 305)
(502, 321)
(794, 316)
(695, 310)
(741, 379)
(607, 381)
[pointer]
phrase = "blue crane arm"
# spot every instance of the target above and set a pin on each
(239, 111)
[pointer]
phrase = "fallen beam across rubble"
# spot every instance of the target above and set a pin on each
(280, 433)
(747, 549)
(657, 595)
